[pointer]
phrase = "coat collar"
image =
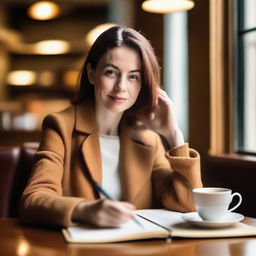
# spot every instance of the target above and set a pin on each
(135, 158)
(85, 120)
(136, 163)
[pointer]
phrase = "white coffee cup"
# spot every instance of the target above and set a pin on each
(212, 203)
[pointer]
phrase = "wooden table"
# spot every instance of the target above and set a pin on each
(18, 240)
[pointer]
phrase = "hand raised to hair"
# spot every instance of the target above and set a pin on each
(163, 120)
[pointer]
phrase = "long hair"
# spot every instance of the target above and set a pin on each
(118, 36)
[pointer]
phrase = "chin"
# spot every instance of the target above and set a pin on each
(117, 109)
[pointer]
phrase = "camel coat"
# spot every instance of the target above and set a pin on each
(69, 158)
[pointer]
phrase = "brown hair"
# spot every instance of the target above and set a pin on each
(118, 36)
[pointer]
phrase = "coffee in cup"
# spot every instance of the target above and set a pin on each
(212, 203)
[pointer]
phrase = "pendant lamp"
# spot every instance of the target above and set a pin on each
(167, 6)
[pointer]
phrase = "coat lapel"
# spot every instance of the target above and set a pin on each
(135, 158)
(135, 165)
(92, 156)
(86, 123)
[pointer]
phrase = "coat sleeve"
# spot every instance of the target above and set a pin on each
(42, 201)
(173, 182)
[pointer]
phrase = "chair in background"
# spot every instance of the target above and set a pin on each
(15, 168)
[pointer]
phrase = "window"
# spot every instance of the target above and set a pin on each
(233, 76)
(246, 76)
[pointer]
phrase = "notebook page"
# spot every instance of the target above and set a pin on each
(163, 217)
(128, 231)
(179, 228)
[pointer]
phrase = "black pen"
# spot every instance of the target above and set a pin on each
(106, 195)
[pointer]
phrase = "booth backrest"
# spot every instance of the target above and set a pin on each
(15, 168)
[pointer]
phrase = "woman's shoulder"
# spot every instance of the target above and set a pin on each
(64, 117)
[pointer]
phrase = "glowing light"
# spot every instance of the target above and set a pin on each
(46, 78)
(21, 77)
(94, 33)
(52, 47)
(167, 6)
(44, 10)
(22, 248)
(70, 78)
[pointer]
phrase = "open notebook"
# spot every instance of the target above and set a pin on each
(155, 223)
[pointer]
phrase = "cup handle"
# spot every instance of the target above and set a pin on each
(239, 202)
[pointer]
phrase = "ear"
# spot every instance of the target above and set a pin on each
(90, 73)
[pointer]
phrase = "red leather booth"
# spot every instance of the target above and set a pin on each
(15, 168)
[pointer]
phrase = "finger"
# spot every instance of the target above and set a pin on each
(152, 116)
(109, 218)
(164, 99)
(119, 213)
(124, 208)
(117, 208)
(162, 92)
(110, 222)
(128, 205)
(115, 222)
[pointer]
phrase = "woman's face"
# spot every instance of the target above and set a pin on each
(116, 79)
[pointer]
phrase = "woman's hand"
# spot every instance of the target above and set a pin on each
(103, 213)
(163, 120)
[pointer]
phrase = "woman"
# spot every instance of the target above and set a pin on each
(121, 133)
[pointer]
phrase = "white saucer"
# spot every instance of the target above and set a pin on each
(194, 219)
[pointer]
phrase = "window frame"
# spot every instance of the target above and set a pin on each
(221, 78)
(225, 81)
(240, 65)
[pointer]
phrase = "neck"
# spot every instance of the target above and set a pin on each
(108, 122)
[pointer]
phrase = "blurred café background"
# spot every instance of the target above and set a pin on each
(42, 48)
(206, 49)
(43, 45)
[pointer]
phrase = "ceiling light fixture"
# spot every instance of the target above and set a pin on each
(51, 47)
(44, 10)
(167, 6)
(95, 32)
(21, 77)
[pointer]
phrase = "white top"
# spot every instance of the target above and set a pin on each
(110, 147)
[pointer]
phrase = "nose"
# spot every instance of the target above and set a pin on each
(120, 84)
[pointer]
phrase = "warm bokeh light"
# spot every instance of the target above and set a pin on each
(44, 10)
(167, 6)
(23, 248)
(51, 47)
(94, 33)
(46, 78)
(70, 78)
(21, 77)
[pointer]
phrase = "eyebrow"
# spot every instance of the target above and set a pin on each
(114, 66)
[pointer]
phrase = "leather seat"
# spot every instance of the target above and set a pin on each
(15, 168)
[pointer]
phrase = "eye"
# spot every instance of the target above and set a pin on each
(111, 73)
(134, 77)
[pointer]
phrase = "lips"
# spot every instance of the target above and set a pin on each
(117, 98)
